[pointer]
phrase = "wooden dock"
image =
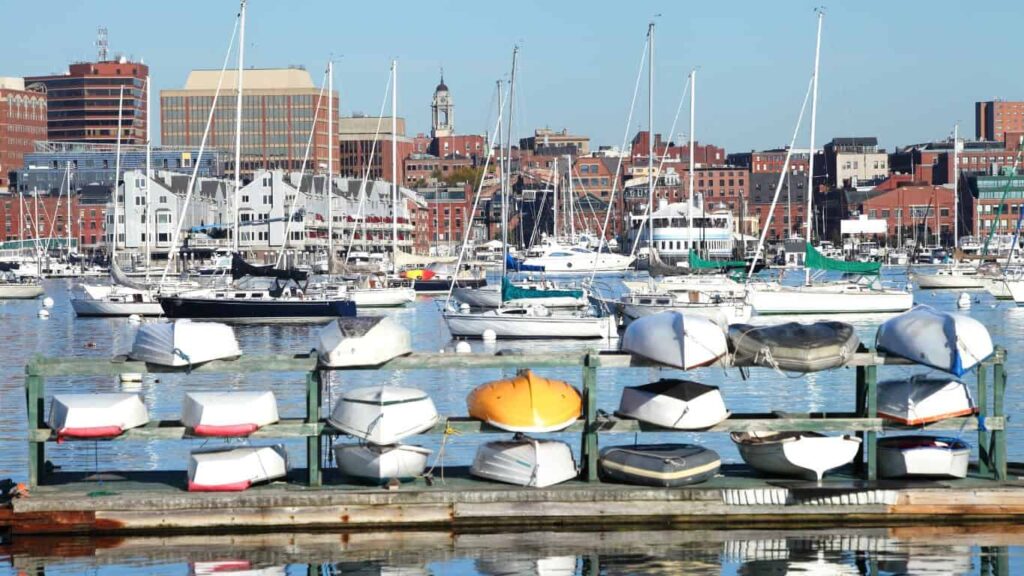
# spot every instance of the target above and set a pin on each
(313, 498)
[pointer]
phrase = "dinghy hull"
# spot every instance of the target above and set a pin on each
(383, 415)
(362, 341)
(801, 454)
(228, 414)
(96, 415)
(664, 465)
(793, 346)
(235, 469)
(526, 403)
(525, 461)
(922, 456)
(378, 464)
(675, 340)
(675, 404)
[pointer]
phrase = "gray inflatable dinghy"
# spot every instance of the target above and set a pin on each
(666, 465)
(793, 347)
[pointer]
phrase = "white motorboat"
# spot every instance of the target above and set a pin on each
(955, 343)
(1014, 286)
(719, 310)
(184, 343)
(953, 277)
(801, 454)
(104, 415)
(377, 464)
(19, 288)
(555, 258)
(675, 340)
(379, 292)
(525, 461)
(383, 414)
(928, 456)
(228, 413)
(529, 322)
(362, 341)
(827, 298)
(235, 469)
(918, 400)
(97, 300)
(997, 287)
(541, 293)
(670, 403)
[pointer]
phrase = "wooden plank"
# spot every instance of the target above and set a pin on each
(174, 430)
(111, 367)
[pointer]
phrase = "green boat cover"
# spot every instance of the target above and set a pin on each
(510, 291)
(699, 263)
(816, 260)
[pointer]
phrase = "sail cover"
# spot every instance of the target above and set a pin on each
(696, 262)
(517, 265)
(815, 259)
(240, 268)
(120, 278)
(510, 291)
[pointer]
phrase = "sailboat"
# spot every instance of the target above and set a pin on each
(863, 295)
(532, 321)
(15, 287)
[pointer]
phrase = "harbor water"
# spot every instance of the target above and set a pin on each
(23, 334)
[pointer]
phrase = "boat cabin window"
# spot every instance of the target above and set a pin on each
(240, 295)
(581, 250)
(516, 311)
(256, 295)
(560, 254)
(664, 301)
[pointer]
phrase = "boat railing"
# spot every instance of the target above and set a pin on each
(989, 423)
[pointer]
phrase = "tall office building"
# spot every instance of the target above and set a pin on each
(82, 104)
(993, 119)
(279, 108)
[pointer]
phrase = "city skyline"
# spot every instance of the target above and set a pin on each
(885, 72)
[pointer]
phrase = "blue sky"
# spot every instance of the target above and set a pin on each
(902, 71)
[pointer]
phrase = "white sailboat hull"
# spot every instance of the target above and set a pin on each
(1016, 290)
(828, 299)
(726, 314)
(20, 291)
(804, 455)
(382, 297)
(949, 280)
(381, 463)
(704, 283)
(490, 297)
(998, 289)
(471, 325)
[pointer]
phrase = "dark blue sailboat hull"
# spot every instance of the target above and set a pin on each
(227, 310)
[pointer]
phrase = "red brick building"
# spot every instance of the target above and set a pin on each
(82, 105)
(909, 205)
(993, 119)
(423, 169)
(703, 155)
(448, 213)
(22, 123)
(28, 217)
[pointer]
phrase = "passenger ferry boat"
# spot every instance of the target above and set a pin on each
(711, 233)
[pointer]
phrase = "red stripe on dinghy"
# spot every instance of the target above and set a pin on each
(90, 432)
(229, 487)
(229, 430)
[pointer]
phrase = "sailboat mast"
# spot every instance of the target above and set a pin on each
(329, 187)
(689, 196)
(501, 180)
(117, 173)
(571, 201)
(810, 163)
(650, 141)
(956, 185)
(507, 178)
(149, 164)
(67, 220)
(556, 200)
(394, 162)
(238, 125)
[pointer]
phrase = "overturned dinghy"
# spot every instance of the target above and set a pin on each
(184, 343)
(671, 339)
(383, 414)
(954, 343)
(928, 456)
(362, 341)
(667, 465)
(918, 400)
(96, 416)
(801, 454)
(228, 413)
(793, 347)
(525, 461)
(526, 403)
(235, 469)
(671, 403)
(378, 464)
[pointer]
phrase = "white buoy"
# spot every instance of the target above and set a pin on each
(135, 319)
(463, 348)
(47, 302)
(964, 301)
(44, 314)
(130, 377)
(489, 335)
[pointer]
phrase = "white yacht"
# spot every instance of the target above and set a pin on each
(556, 258)
(710, 233)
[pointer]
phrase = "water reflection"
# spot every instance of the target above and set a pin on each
(860, 551)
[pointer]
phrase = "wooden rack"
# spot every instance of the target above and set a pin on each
(990, 423)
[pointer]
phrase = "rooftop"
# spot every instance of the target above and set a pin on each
(252, 79)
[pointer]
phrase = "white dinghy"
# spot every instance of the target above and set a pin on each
(918, 400)
(184, 343)
(929, 456)
(525, 461)
(383, 414)
(228, 413)
(801, 454)
(362, 341)
(670, 403)
(672, 339)
(954, 343)
(96, 415)
(378, 464)
(235, 469)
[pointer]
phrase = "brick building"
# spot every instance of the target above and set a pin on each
(31, 217)
(911, 211)
(703, 155)
(22, 123)
(448, 213)
(82, 104)
(789, 217)
(545, 139)
(769, 161)
(356, 137)
(993, 119)
(932, 162)
(422, 169)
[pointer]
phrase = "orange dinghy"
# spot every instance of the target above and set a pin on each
(526, 403)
